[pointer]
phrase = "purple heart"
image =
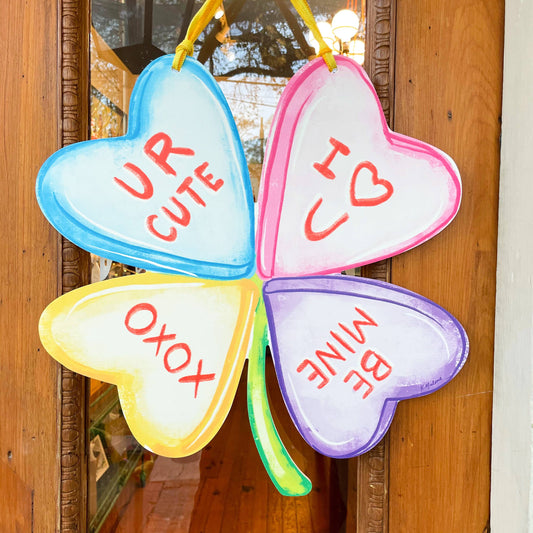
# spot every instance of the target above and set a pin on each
(346, 350)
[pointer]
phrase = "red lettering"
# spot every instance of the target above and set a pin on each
(360, 337)
(335, 355)
(179, 346)
(170, 367)
(319, 235)
(160, 338)
(341, 341)
(161, 158)
(316, 372)
(323, 168)
(207, 179)
(360, 383)
(380, 361)
(136, 309)
(185, 217)
(148, 188)
(197, 378)
(186, 187)
(150, 225)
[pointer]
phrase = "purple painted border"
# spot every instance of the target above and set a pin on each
(369, 289)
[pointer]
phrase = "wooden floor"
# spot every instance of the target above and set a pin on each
(226, 489)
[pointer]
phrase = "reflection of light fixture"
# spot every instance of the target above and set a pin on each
(343, 35)
(220, 12)
(329, 37)
(327, 34)
(223, 36)
(345, 25)
(356, 50)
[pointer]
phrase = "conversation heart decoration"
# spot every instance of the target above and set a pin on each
(339, 189)
(174, 346)
(173, 195)
(367, 345)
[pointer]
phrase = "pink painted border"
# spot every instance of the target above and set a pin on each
(294, 100)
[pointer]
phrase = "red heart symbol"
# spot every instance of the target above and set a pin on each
(374, 200)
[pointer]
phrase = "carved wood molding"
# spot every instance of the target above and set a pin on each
(75, 263)
(373, 467)
(380, 52)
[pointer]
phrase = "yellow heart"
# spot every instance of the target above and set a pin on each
(174, 346)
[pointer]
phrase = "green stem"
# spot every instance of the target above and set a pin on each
(283, 472)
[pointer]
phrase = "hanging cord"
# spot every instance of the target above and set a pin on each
(197, 25)
(324, 51)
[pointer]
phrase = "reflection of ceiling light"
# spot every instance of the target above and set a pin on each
(325, 29)
(327, 35)
(356, 50)
(341, 35)
(220, 13)
(345, 25)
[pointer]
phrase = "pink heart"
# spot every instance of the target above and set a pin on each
(339, 189)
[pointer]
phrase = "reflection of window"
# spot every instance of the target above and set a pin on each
(107, 119)
(252, 62)
(114, 455)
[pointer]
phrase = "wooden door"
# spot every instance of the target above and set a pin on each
(448, 92)
(438, 68)
(40, 111)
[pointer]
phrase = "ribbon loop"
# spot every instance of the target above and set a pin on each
(307, 16)
(326, 54)
(184, 49)
(197, 25)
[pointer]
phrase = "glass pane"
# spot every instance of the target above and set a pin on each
(223, 487)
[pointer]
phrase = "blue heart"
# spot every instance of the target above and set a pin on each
(173, 195)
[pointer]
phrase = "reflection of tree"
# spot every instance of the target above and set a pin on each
(106, 118)
(253, 100)
(268, 37)
(268, 40)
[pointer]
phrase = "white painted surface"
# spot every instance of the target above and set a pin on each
(512, 496)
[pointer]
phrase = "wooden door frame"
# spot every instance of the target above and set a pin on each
(368, 485)
(73, 28)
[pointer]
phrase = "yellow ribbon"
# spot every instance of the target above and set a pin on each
(210, 7)
(197, 25)
(324, 51)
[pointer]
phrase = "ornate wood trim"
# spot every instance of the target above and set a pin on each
(372, 469)
(75, 263)
(380, 51)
